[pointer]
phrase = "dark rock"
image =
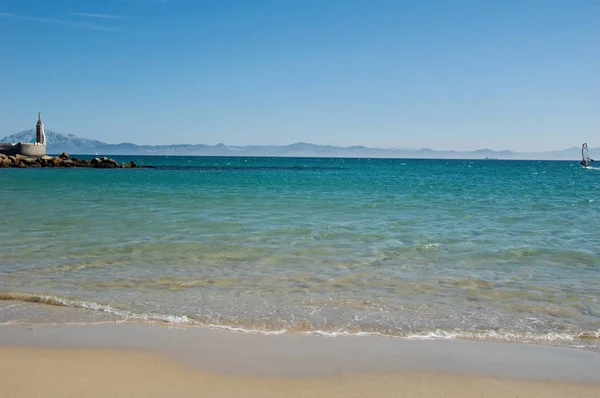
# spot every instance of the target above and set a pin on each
(104, 163)
(130, 165)
(64, 160)
(28, 161)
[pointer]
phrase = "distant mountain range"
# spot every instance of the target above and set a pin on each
(58, 143)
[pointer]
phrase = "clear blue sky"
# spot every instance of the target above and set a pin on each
(512, 74)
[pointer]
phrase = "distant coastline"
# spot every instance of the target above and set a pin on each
(58, 143)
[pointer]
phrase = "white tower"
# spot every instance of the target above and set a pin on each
(40, 135)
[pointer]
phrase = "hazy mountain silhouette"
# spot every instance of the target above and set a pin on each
(58, 143)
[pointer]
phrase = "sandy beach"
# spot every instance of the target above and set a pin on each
(131, 360)
(37, 372)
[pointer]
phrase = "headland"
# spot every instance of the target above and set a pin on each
(33, 154)
(63, 161)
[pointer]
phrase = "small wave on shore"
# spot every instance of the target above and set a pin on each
(589, 340)
(63, 302)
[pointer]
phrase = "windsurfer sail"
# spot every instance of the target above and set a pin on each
(585, 156)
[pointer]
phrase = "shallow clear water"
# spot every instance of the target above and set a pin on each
(494, 250)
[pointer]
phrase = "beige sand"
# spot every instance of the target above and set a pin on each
(42, 372)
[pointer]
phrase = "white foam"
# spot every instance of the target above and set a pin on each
(243, 330)
(124, 314)
(184, 321)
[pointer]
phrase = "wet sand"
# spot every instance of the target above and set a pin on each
(153, 361)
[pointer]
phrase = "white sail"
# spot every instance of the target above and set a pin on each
(585, 156)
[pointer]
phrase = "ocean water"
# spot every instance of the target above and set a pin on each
(490, 250)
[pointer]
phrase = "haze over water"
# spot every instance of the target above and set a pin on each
(493, 250)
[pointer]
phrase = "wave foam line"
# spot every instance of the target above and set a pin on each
(484, 335)
(243, 330)
(524, 337)
(62, 302)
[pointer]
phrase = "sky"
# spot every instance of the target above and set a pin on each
(448, 75)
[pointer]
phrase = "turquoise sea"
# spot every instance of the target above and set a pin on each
(482, 249)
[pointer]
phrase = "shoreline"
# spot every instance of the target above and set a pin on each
(40, 310)
(133, 360)
(300, 355)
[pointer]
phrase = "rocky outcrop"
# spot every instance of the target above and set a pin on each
(64, 160)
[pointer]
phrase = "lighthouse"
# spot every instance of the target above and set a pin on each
(30, 149)
(40, 135)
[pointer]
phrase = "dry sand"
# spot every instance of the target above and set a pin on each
(66, 372)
